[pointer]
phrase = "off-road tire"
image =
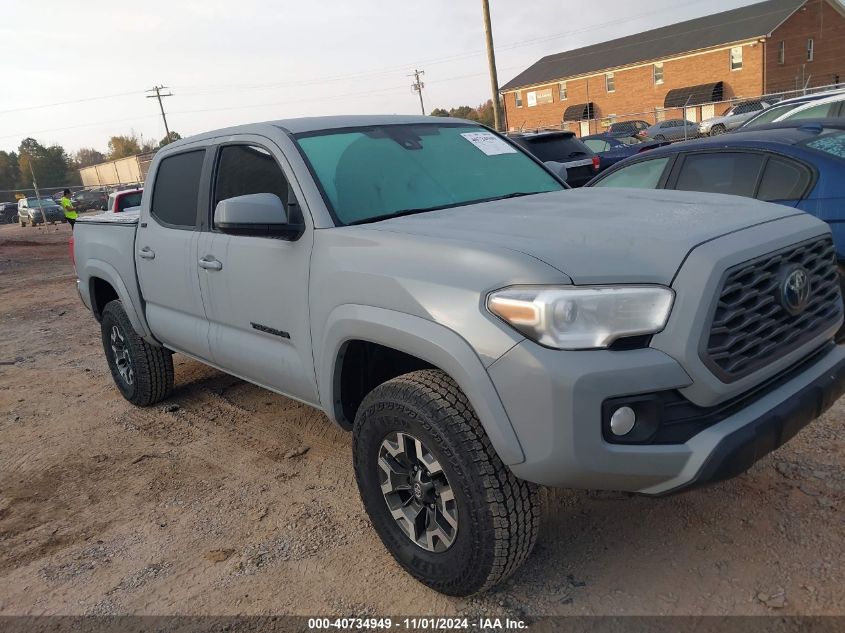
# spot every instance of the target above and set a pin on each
(498, 514)
(152, 365)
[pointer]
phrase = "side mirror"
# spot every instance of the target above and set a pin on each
(261, 214)
(558, 169)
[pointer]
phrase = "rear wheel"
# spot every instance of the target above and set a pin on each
(445, 506)
(142, 372)
(22, 222)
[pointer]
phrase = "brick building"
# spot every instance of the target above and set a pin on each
(777, 46)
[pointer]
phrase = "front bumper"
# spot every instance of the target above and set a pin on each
(554, 401)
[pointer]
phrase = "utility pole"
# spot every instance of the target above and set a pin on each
(417, 86)
(498, 117)
(37, 193)
(158, 95)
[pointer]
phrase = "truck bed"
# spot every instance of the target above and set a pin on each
(104, 248)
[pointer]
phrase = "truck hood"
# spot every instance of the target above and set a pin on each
(596, 235)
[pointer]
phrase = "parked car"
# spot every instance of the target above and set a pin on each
(733, 117)
(8, 212)
(90, 199)
(796, 164)
(774, 113)
(30, 211)
(120, 201)
(629, 128)
(565, 148)
(672, 130)
(611, 149)
(828, 108)
(478, 326)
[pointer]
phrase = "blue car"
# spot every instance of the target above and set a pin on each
(612, 148)
(799, 164)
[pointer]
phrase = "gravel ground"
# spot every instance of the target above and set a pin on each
(229, 499)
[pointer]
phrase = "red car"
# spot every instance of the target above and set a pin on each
(119, 201)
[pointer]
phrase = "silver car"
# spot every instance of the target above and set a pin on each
(733, 117)
(34, 211)
(672, 130)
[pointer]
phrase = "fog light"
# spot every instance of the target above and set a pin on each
(622, 421)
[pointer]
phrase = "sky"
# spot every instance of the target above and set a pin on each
(232, 62)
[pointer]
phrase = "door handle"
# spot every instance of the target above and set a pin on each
(147, 253)
(209, 263)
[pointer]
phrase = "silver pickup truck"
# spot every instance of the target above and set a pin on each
(480, 328)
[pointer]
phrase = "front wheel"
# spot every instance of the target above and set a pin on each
(718, 130)
(442, 502)
(142, 372)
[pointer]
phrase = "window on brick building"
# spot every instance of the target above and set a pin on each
(736, 58)
(518, 99)
(562, 91)
(811, 49)
(610, 82)
(782, 53)
(658, 73)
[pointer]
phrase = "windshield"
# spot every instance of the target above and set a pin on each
(373, 173)
(44, 202)
(130, 200)
(770, 114)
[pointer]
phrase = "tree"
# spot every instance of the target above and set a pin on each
(10, 174)
(174, 136)
(88, 156)
(123, 146)
(50, 165)
(482, 114)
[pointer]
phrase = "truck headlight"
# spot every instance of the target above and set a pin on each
(582, 317)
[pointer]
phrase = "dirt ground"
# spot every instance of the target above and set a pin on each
(207, 503)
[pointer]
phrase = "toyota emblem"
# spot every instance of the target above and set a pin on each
(795, 290)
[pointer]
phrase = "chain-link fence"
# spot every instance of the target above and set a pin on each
(692, 112)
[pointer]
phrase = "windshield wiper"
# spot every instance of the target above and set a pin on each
(398, 214)
(403, 212)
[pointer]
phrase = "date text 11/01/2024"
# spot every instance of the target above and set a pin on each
(415, 624)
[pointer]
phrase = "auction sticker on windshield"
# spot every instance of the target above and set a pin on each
(489, 143)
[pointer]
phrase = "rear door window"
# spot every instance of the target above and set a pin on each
(783, 180)
(176, 189)
(734, 173)
(641, 175)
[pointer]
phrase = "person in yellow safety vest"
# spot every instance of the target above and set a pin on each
(67, 207)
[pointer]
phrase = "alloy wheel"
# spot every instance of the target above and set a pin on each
(417, 492)
(122, 358)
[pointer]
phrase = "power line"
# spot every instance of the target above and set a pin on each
(61, 103)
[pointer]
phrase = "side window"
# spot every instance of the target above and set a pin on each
(783, 180)
(816, 112)
(176, 189)
(248, 169)
(642, 175)
(734, 173)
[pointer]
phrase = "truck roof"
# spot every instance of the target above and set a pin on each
(314, 124)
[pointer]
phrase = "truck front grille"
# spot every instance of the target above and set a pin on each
(752, 326)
